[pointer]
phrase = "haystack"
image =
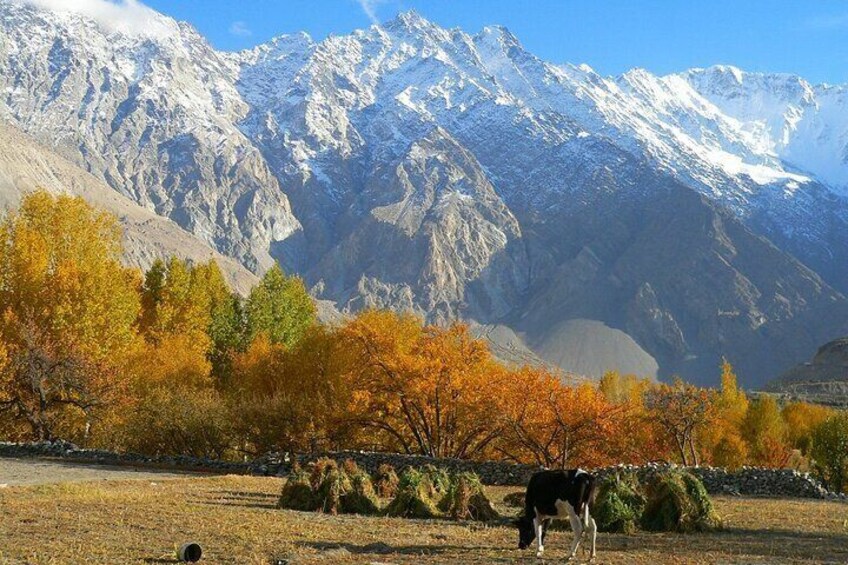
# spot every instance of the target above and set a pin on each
(678, 502)
(619, 505)
(439, 479)
(361, 498)
(466, 499)
(386, 481)
(297, 491)
(415, 496)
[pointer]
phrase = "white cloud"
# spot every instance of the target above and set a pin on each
(126, 16)
(240, 29)
(370, 8)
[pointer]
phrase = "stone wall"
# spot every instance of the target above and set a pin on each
(67, 450)
(746, 481)
(749, 481)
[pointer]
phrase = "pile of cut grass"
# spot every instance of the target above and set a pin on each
(386, 481)
(415, 498)
(668, 501)
(424, 493)
(677, 501)
(620, 503)
(297, 491)
(331, 489)
(466, 499)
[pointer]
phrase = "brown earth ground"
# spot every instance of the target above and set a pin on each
(236, 521)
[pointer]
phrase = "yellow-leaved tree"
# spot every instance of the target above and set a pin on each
(68, 311)
(723, 440)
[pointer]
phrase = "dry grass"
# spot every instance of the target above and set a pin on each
(236, 521)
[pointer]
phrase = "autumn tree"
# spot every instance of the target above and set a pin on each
(280, 307)
(619, 389)
(291, 399)
(53, 391)
(765, 432)
(801, 418)
(722, 440)
(683, 411)
(175, 303)
(424, 390)
(530, 434)
(555, 425)
(68, 313)
(60, 271)
(179, 420)
(732, 403)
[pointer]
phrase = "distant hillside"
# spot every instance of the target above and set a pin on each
(823, 380)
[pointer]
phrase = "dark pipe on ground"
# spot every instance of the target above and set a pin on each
(190, 552)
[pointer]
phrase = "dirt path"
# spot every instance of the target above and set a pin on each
(46, 471)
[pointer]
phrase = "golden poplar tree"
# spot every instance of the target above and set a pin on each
(67, 314)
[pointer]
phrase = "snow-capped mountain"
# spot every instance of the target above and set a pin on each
(671, 219)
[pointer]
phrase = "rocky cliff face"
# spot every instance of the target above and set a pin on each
(664, 220)
(26, 166)
(824, 379)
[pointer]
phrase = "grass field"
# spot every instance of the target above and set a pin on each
(236, 522)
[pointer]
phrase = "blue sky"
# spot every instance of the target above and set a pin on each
(806, 37)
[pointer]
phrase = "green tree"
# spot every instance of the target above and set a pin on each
(226, 319)
(280, 307)
(830, 451)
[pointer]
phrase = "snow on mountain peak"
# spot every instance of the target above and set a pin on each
(803, 125)
(128, 17)
(409, 20)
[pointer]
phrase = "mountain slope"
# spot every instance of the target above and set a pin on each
(823, 379)
(26, 166)
(153, 115)
(671, 219)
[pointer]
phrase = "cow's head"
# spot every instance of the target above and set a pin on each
(526, 531)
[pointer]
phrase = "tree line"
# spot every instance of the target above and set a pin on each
(172, 361)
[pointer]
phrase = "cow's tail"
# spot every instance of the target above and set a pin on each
(587, 499)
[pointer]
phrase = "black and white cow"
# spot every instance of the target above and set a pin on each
(558, 495)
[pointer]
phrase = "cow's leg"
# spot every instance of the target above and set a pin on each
(593, 533)
(540, 544)
(577, 529)
(545, 525)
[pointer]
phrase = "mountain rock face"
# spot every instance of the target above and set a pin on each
(26, 166)
(824, 379)
(663, 221)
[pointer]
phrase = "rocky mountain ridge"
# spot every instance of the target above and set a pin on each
(664, 220)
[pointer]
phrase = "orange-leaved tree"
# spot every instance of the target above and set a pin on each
(555, 425)
(291, 399)
(683, 411)
(425, 390)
